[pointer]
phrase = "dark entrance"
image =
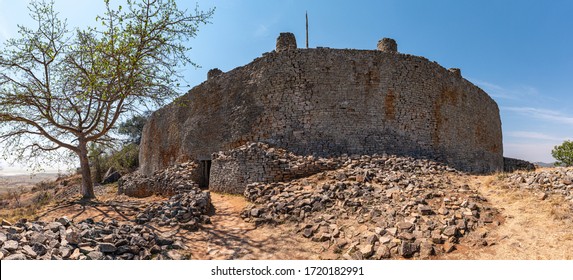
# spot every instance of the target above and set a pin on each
(205, 167)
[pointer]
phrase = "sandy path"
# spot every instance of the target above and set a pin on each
(229, 237)
(533, 228)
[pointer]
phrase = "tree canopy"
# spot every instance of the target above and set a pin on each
(563, 153)
(65, 89)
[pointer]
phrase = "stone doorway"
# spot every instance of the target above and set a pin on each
(205, 169)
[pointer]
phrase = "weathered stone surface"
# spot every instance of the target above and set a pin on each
(512, 164)
(10, 245)
(14, 257)
(286, 41)
(407, 249)
(387, 45)
(555, 181)
(400, 225)
(180, 178)
(107, 247)
(329, 102)
(84, 240)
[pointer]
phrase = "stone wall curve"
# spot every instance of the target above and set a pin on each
(328, 102)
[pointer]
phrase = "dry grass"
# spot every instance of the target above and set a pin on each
(533, 228)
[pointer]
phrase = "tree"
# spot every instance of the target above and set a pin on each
(133, 127)
(64, 90)
(563, 153)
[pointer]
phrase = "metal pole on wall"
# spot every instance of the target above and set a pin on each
(306, 13)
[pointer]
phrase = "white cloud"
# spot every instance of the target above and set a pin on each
(533, 152)
(533, 135)
(512, 93)
(261, 31)
(544, 114)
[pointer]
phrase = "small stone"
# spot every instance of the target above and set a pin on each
(64, 221)
(371, 238)
(542, 196)
(321, 238)
(29, 251)
(73, 237)
(385, 239)
(107, 247)
(95, 255)
(449, 247)
(178, 245)
(10, 245)
(37, 237)
(382, 253)
(3, 238)
(426, 250)
(108, 238)
(191, 225)
(425, 209)
(40, 249)
(450, 231)
(65, 251)
(155, 249)
(443, 211)
(406, 236)
(404, 225)
(75, 254)
(407, 249)
(255, 212)
(54, 226)
(392, 231)
(174, 255)
(161, 240)
(366, 251)
(15, 257)
(6, 223)
(307, 232)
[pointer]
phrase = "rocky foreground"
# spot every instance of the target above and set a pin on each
(556, 181)
(403, 207)
(368, 207)
(89, 240)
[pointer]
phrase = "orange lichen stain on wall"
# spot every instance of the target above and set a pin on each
(389, 105)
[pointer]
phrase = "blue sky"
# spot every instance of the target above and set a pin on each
(520, 52)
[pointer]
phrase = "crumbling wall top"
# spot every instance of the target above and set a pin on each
(286, 41)
(388, 45)
(214, 73)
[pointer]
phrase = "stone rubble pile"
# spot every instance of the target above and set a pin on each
(178, 178)
(187, 210)
(547, 181)
(86, 240)
(405, 207)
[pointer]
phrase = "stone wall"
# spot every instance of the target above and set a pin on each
(328, 102)
(513, 164)
(232, 171)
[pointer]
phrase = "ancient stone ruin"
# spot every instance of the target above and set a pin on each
(323, 103)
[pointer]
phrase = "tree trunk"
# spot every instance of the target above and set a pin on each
(87, 189)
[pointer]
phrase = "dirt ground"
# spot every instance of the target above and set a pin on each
(531, 228)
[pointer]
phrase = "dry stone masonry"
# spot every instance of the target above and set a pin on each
(405, 208)
(325, 103)
(179, 178)
(232, 170)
